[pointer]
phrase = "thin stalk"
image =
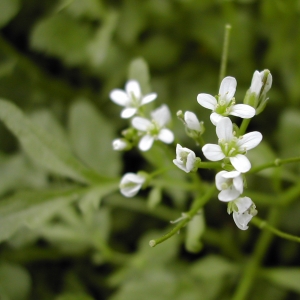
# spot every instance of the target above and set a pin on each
(199, 202)
(224, 58)
(276, 163)
(253, 264)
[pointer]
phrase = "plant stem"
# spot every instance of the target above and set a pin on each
(264, 225)
(244, 126)
(225, 53)
(199, 202)
(276, 163)
(253, 264)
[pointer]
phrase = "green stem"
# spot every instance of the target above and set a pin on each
(210, 165)
(244, 126)
(253, 264)
(276, 163)
(224, 53)
(186, 216)
(261, 224)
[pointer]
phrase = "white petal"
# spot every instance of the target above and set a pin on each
(228, 194)
(249, 140)
(241, 220)
(132, 177)
(119, 97)
(141, 123)
(128, 112)
(243, 111)
(238, 184)
(166, 136)
(227, 88)
(213, 152)
(241, 163)
(146, 142)
(243, 204)
(180, 165)
(190, 161)
(161, 115)
(148, 98)
(133, 87)
(231, 174)
(192, 121)
(224, 130)
(256, 83)
(220, 179)
(215, 118)
(207, 101)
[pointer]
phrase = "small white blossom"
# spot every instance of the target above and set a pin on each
(230, 184)
(130, 184)
(243, 211)
(120, 144)
(155, 129)
(232, 147)
(185, 159)
(131, 98)
(261, 82)
(224, 104)
(192, 121)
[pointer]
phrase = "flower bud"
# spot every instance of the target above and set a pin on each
(186, 159)
(131, 183)
(243, 211)
(260, 85)
(121, 145)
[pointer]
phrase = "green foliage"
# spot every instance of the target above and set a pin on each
(65, 231)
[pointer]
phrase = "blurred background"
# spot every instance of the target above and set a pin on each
(58, 62)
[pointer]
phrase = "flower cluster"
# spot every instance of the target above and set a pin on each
(142, 131)
(232, 145)
(231, 148)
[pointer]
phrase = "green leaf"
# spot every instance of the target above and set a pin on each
(31, 209)
(8, 9)
(139, 71)
(91, 137)
(15, 282)
(287, 278)
(99, 45)
(42, 147)
(61, 36)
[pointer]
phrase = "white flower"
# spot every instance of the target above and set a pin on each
(155, 129)
(243, 211)
(131, 98)
(224, 104)
(232, 147)
(261, 82)
(130, 184)
(120, 144)
(230, 184)
(192, 121)
(185, 159)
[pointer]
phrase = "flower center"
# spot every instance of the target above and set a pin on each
(223, 107)
(154, 129)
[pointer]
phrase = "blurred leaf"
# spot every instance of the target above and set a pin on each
(91, 137)
(92, 199)
(31, 209)
(47, 121)
(15, 282)
(132, 21)
(17, 172)
(155, 197)
(92, 9)
(287, 278)
(194, 232)
(99, 45)
(42, 147)
(60, 35)
(70, 296)
(139, 71)
(8, 9)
